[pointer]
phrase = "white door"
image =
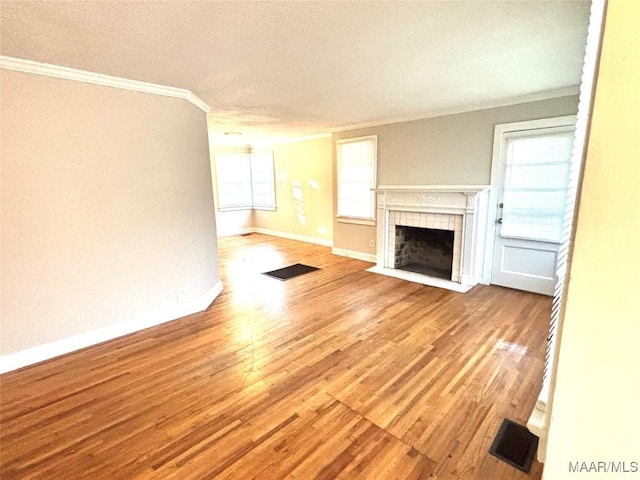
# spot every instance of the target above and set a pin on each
(532, 195)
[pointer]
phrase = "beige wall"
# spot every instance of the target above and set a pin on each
(233, 222)
(303, 182)
(453, 149)
(447, 150)
(304, 198)
(106, 208)
(594, 414)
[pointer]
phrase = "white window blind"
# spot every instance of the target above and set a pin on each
(356, 177)
(234, 181)
(245, 181)
(535, 193)
(262, 181)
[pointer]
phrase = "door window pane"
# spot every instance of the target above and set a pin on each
(535, 189)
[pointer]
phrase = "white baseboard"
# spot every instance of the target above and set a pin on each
(277, 233)
(294, 236)
(367, 257)
(537, 425)
(240, 231)
(37, 354)
(468, 280)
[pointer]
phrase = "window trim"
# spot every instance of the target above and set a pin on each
(355, 220)
(358, 220)
(233, 209)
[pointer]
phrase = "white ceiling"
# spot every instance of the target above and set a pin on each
(298, 68)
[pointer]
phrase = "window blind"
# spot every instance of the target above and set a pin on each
(356, 177)
(536, 179)
(234, 181)
(262, 180)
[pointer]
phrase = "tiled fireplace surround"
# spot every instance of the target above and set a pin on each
(457, 208)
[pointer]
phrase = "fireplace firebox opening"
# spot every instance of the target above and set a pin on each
(427, 251)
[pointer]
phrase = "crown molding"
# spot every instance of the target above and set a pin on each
(505, 102)
(66, 73)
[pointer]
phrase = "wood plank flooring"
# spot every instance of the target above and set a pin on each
(339, 373)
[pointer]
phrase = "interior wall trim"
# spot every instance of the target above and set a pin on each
(343, 252)
(325, 242)
(66, 73)
(40, 353)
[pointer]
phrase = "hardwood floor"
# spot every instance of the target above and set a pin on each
(339, 373)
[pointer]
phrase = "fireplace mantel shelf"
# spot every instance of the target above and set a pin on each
(431, 188)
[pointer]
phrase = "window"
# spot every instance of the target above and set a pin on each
(356, 179)
(536, 185)
(234, 181)
(245, 181)
(264, 195)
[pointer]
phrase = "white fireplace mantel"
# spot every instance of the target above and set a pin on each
(432, 188)
(469, 202)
